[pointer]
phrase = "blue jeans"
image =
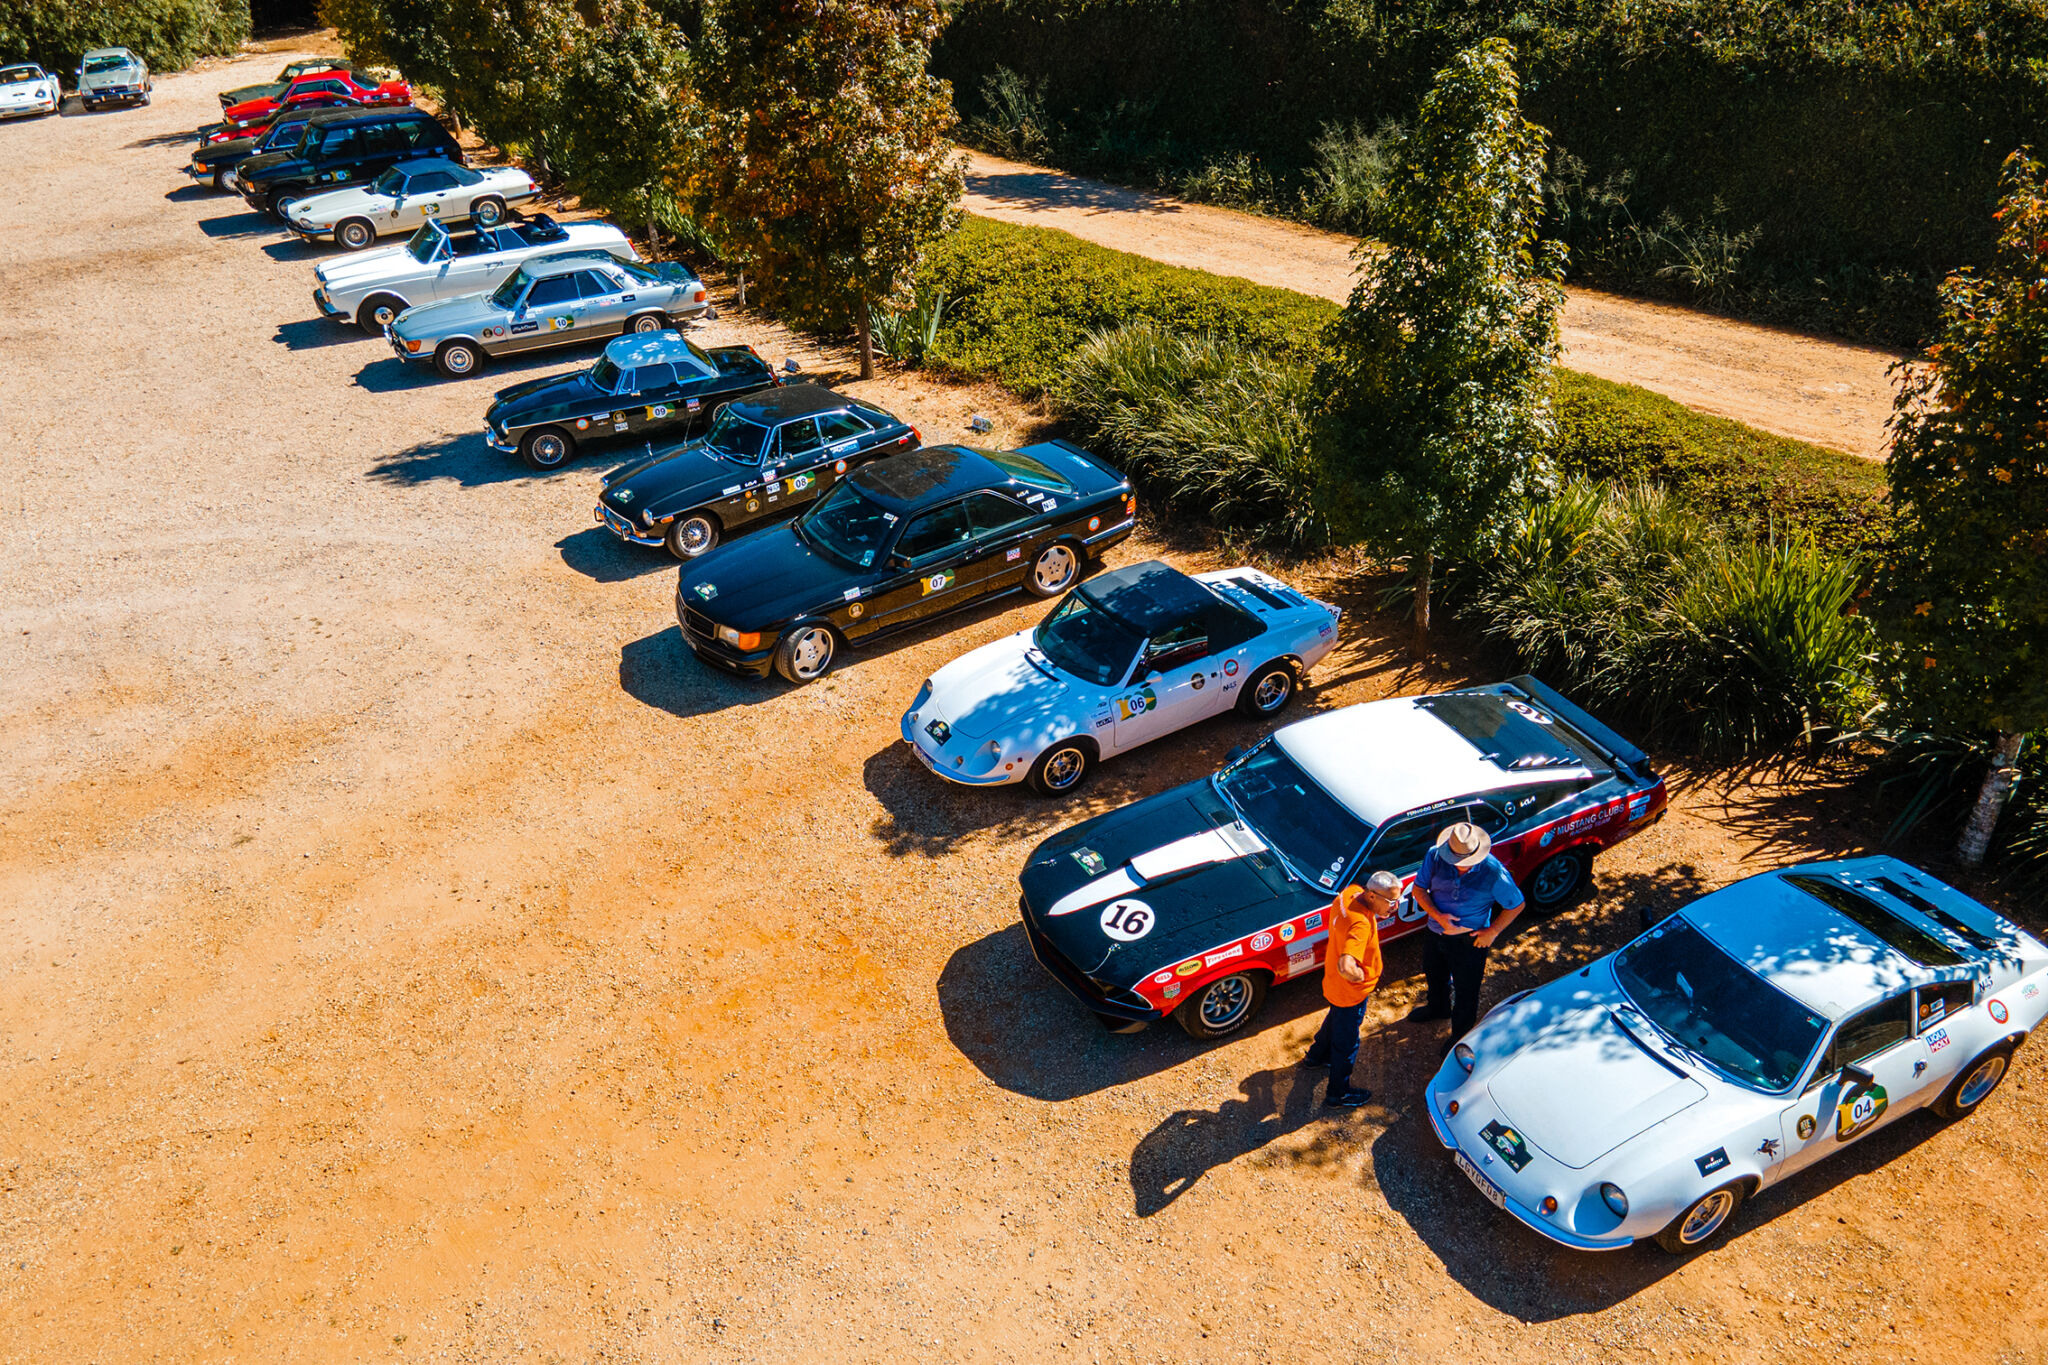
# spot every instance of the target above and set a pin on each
(1337, 1040)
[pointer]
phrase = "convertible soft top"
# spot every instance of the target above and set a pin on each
(1149, 596)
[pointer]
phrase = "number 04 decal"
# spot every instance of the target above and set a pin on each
(1126, 921)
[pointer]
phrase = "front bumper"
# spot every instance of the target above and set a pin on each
(327, 306)
(422, 356)
(914, 738)
(1432, 1103)
(1077, 985)
(606, 517)
(505, 445)
(29, 110)
(699, 634)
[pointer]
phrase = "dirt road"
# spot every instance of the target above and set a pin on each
(1829, 392)
(406, 953)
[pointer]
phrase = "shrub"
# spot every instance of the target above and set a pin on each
(168, 34)
(1346, 186)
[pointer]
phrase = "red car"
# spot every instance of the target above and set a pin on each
(314, 90)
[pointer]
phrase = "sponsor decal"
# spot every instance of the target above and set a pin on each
(707, 591)
(850, 595)
(1767, 1148)
(800, 483)
(582, 424)
(1937, 1039)
(1314, 921)
(2030, 990)
(1806, 1126)
(624, 495)
(1171, 991)
(753, 503)
(1323, 632)
(694, 405)
(658, 410)
(773, 488)
(1137, 704)
(1093, 863)
(1712, 1161)
(1196, 682)
(1163, 977)
(1996, 1009)
(1230, 668)
(857, 610)
(429, 209)
(839, 467)
(1859, 1111)
(1582, 821)
(939, 582)
(1286, 932)
(1638, 805)
(1014, 552)
(1127, 921)
(561, 324)
(1300, 961)
(1103, 722)
(1261, 941)
(1095, 523)
(1234, 950)
(526, 327)
(1507, 1142)
(732, 490)
(1188, 968)
(1523, 708)
(1932, 1008)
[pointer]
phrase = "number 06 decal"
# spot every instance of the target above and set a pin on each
(1127, 921)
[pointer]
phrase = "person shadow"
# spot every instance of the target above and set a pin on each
(1188, 1144)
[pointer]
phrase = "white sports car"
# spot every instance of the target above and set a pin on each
(411, 193)
(1759, 1030)
(27, 91)
(371, 288)
(1130, 655)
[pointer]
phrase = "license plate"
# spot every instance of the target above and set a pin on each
(924, 757)
(1492, 1191)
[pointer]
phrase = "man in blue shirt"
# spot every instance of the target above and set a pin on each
(1470, 900)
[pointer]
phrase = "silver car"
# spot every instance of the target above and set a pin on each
(549, 301)
(112, 75)
(373, 288)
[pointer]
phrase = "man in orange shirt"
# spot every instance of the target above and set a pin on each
(1351, 968)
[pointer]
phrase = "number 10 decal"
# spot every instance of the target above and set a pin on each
(1126, 920)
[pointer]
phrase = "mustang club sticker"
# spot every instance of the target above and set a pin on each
(1127, 921)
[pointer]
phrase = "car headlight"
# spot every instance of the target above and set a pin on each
(1611, 1195)
(924, 694)
(750, 639)
(647, 517)
(1463, 1054)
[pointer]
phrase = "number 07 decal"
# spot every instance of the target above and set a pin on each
(1126, 921)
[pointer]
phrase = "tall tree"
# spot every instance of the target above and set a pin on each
(1965, 589)
(827, 160)
(1438, 377)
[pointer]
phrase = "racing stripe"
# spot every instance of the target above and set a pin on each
(1219, 845)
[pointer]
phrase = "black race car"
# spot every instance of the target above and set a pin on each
(646, 382)
(897, 543)
(216, 161)
(766, 455)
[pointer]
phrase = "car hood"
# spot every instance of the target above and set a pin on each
(1203, 876)
(764, 581)
(1585, 1076)
(332, 205)
(1003, 684)
(234, 149)
(380, 265)
(684, 475)
(248, 109)
(265, 164)
(463, 313)
(268, 91)
(122, 75)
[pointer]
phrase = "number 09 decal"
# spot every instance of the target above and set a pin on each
(1127, 921)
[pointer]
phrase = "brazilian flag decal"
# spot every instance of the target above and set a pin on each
(1859, 1111)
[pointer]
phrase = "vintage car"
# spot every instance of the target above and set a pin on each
(304, 66)
(766, 455)
(1133, 654)
(549, 301)
(331, 88)
(1193, 902)
(112, 75)
(645, 384)
(371, 288)
(340, 147)
(27, 91)
(217, 161)
(1761, 1029)
(898, 542)
(407, 195)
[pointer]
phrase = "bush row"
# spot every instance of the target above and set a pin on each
(168, 34)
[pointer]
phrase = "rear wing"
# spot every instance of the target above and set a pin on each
(1601, 737)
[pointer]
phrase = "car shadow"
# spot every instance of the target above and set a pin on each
(660, 671)
(312, 334)
(236, 225)
(599, 555)
(160, 140)
(392, 375)
(294, 248)
(465, 459)
(185, 194)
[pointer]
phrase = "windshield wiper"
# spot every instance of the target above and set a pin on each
(1653, 1054)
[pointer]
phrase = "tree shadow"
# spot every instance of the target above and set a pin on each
(599, 555)
(659, 670)
(1042, 189)
(465, 459)
(237, 225)
(313, 334)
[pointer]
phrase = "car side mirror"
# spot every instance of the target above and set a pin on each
(898, 562)
(1235, 752)
(1858, 1075)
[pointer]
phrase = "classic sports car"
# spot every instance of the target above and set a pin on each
(1131, 655)
(340, 147)
(551, 300)
(321, 88)
(766, 455)
(216, 161)
(304, 66)
(644, 383)
(27, 91)
(112, 75)
(407, 195)
(372, 288)
(1759, 1030)
(898, 542)
(1193, 902)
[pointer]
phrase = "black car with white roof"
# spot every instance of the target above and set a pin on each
(897, 543)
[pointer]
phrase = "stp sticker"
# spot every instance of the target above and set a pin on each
(1997, 1011)
(1261, 941)
(1127, 921)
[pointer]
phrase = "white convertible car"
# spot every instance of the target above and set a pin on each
(372, 288)
(1130, 655)
(1761, 1029)
(428, 190)
(27, 91)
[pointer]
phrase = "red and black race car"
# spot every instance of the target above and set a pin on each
(314, 90)
(1193, 902)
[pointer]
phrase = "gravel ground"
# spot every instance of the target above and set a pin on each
(407, 953)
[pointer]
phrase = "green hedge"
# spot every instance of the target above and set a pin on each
(168, 34)
(1020, 301)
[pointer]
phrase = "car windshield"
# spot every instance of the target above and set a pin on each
(733, 437)
(389, 184)
(1081, 637)
(425, 242)
(304, 141)
(639, 273)
(509, 293)
(14, 75)
(847, 527)
(1713, 1006)
(604, 375)
(1024, 469)
(1303, 823)
(97, 64)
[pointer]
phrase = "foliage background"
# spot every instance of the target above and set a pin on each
(168, 34)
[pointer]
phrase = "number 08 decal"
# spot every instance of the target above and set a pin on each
(1127, 921)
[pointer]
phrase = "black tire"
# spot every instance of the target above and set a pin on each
(354, 234)
(805, 652)
(1977, 1080)
(1223, 1006)
(458, 359)
(378, 312)
(280, 204)
(547, 448)
(1268, 689)
(220, 176)
(488, 211)
(693, 535)
(648, 322)
(1704, 1220)
(1062, 767)
(1560, 880)
(1054, 571)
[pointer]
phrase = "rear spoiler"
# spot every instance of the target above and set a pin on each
(1616, 748)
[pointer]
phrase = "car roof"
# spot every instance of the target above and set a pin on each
(109, 52)
(327, 116)
(546, 267)
(426, 163)
(904, 483)
(1149, 596)
(657, 348)
(1382, 759)
(789, 402)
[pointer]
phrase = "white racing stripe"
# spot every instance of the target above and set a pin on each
(1214, 846)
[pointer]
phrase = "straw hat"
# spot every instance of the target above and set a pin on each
(1464, 845)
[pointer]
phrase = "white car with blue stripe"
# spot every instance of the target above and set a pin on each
(1758, 1031)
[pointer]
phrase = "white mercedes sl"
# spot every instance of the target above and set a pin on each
(1761, 1029)
(1128, 656)
(428, 190)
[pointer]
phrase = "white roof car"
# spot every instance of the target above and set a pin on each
(27, 91)
(1130, 655)
(431, 189)
(372, 288)
(1759, 1030)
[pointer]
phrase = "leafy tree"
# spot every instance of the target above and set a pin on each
(826, 163)
(622, 107)
(1438, 379)
(1965, 591)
